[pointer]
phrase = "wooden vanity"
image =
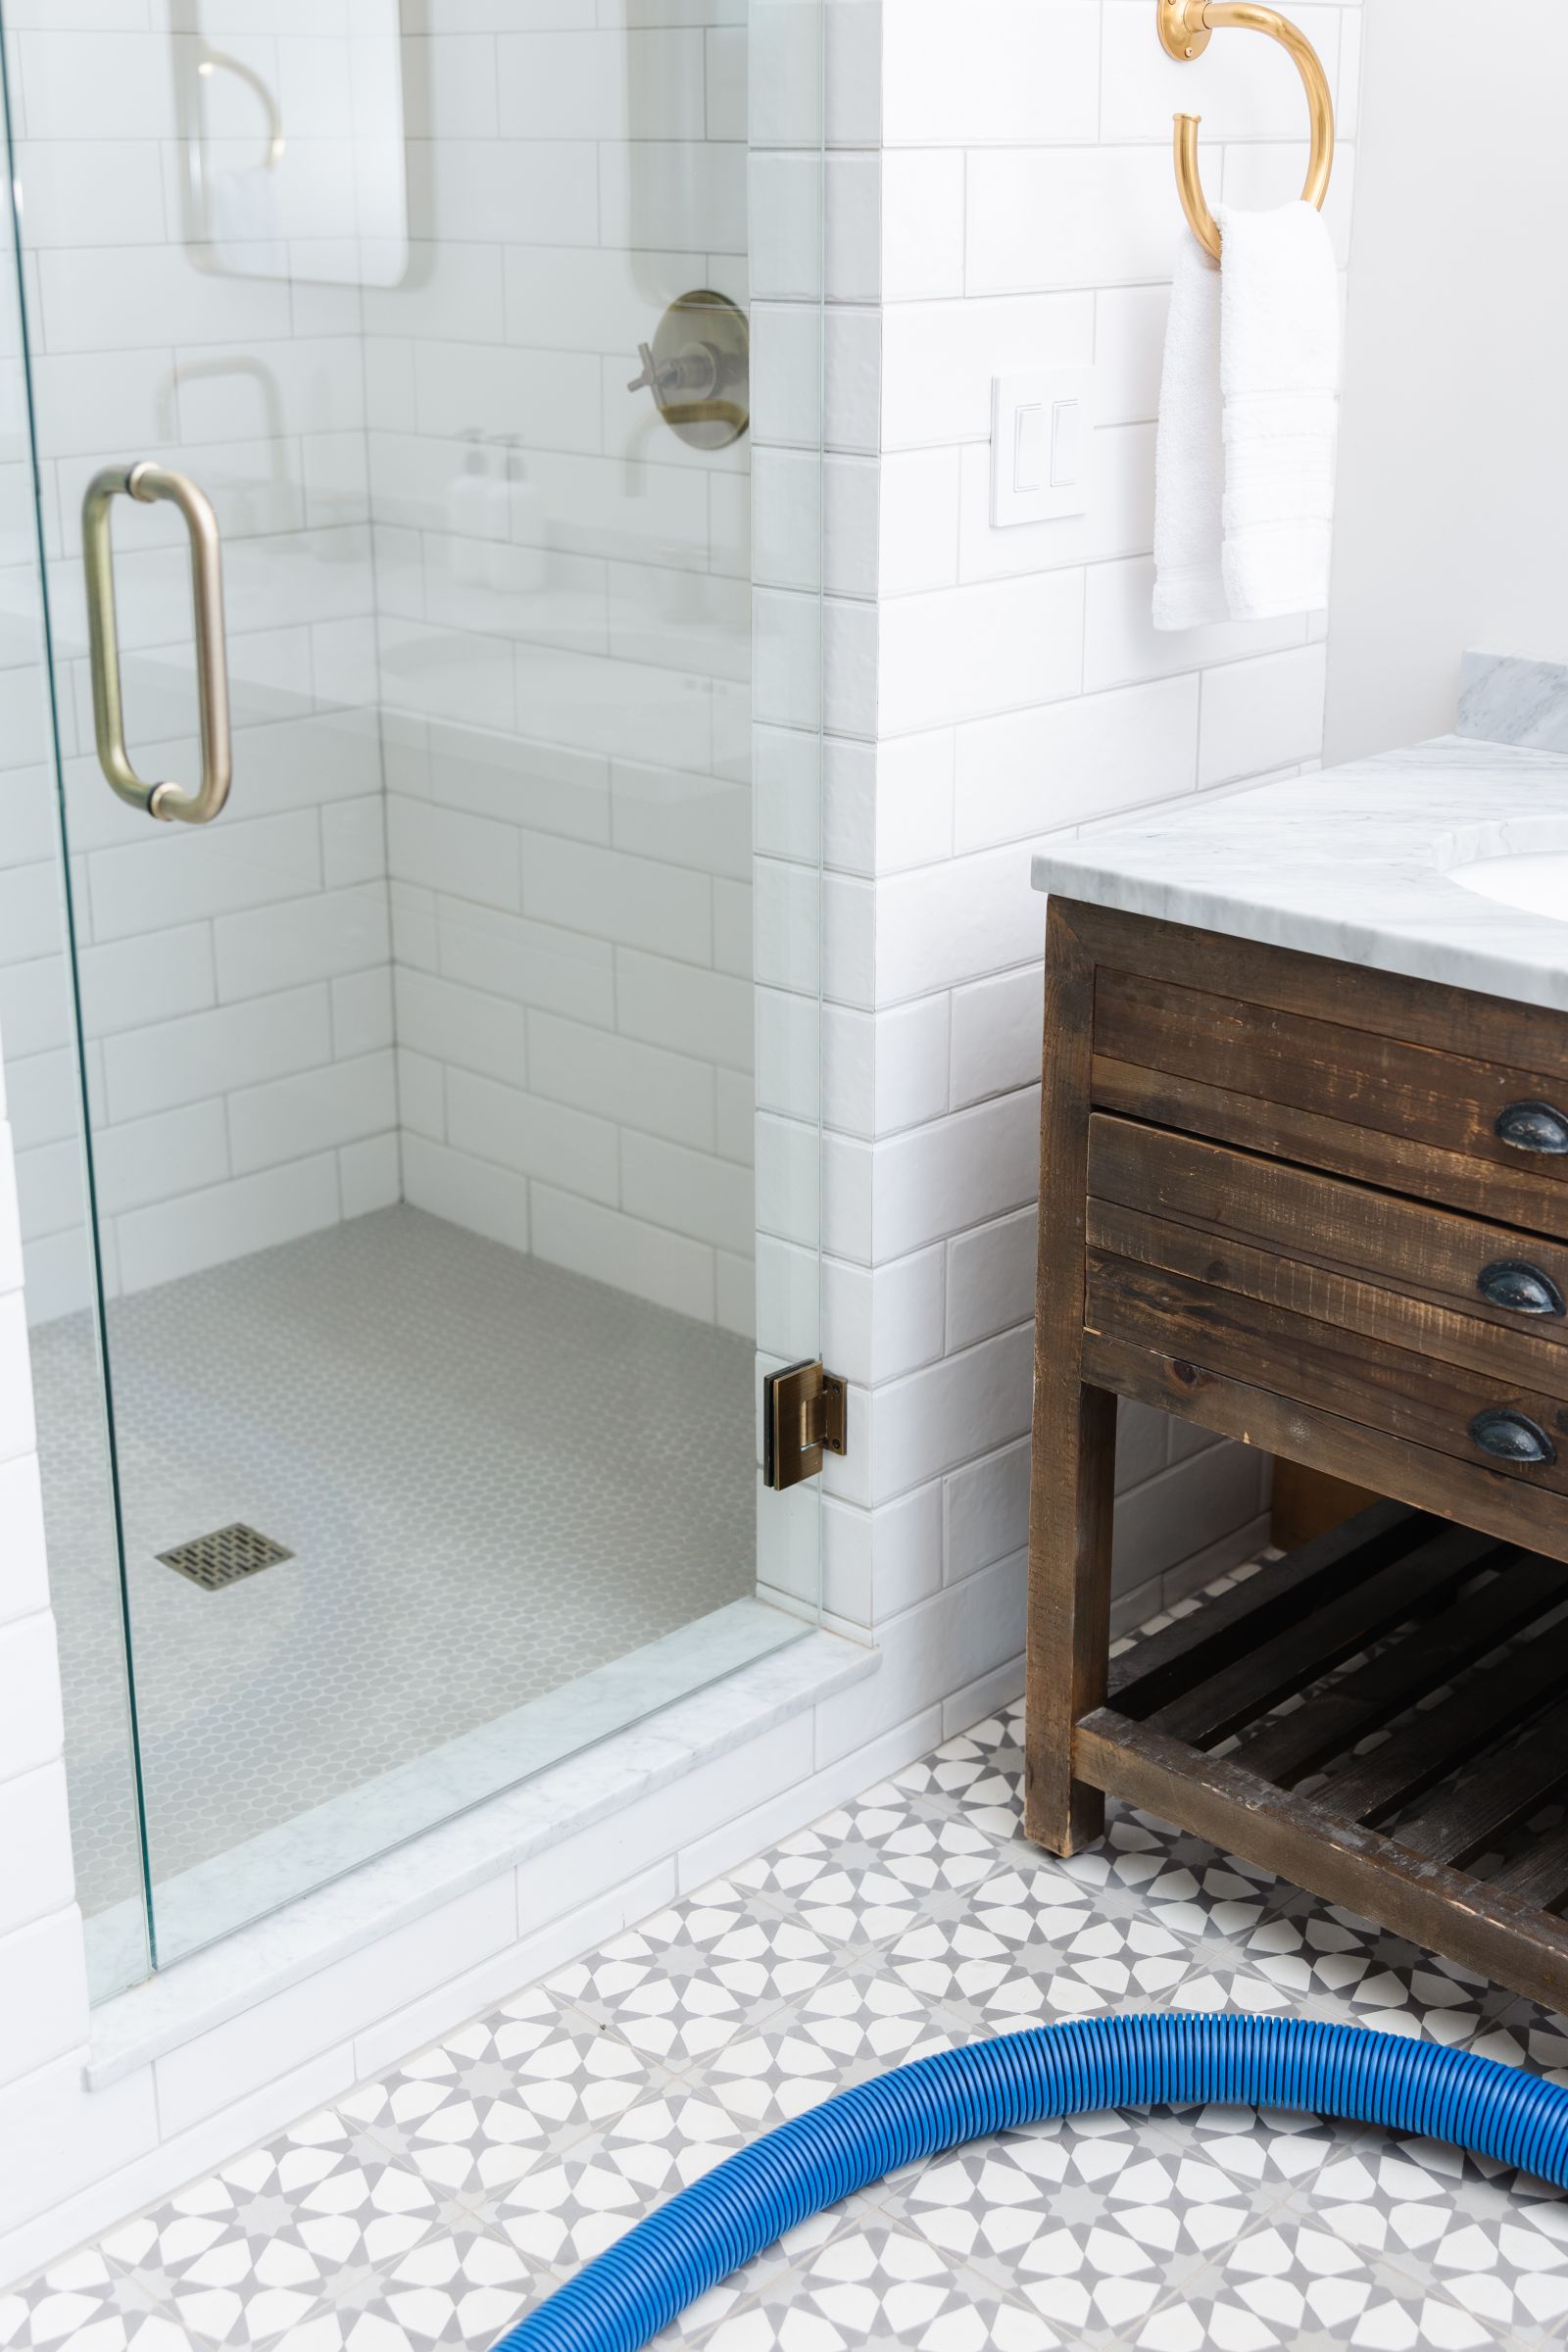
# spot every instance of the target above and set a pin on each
(1322, 1208)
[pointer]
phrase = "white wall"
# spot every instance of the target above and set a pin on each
(1452, 504)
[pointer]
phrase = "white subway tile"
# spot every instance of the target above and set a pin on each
(315, 937)
(167, 881)
(150, 1159)
(1122, 645)
(1045, 216)
(449, 84)
(1119, 519)
(1129, 352)
(647, 1261)
(1243, 89)
(1069, 762)
(996, 1027)
(503, 191)
(991, 1274)
(788, 1182)
(170, 1063)
(1259, 716)
(783, 204)
(962, 651)
(987, 1505)
(534, 963)
(43, 1992)
(919, 506)
(959, 1171)
(852, 378)
(688, 1191)
(294, 1117)
(944, 1416)
(669, 1004)
(469, 856)
(993, 72)
(369, 1175)
(85, 84)
(944, 924)
(625, 1079)
(361, 1012)
(229, 1220)
(699, 821)
(879, 1326)
(631, 900)
(468, 1192)
(465, 1027)
(35, 1840)
(853, 225)
(922, 224)
(31, 1733)
(530, 1136)
(784, 41)
(24, 1568)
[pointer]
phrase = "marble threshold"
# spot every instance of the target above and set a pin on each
(291, 1944)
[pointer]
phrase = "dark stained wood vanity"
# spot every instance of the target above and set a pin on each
(1324, 1209)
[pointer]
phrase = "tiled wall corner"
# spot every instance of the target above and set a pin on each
(986, 689)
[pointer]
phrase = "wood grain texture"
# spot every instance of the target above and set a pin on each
(1303, 1503)
(1277, 1597)
(1421, 1012)
(1448, 1101)
(1482, 1927)
(1324, 1295)
(1074, 1460)
(1272, 1670)
(1530, 1517)
(1401, 1391)
(1416, 1250)
(1450, 1179)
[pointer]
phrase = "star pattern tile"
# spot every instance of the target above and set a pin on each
(432, 2206)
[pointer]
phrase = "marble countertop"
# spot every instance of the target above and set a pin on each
(1352, 861)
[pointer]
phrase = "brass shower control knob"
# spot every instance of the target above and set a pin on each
(698, 369)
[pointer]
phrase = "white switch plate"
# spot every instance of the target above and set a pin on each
(1041, 429)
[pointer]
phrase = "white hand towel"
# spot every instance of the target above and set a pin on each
(1251, 362)
(1189, 452)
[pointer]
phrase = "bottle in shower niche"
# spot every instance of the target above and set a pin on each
(472, 513)
(523, 566)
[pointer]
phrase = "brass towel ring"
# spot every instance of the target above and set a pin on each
(1184, 29)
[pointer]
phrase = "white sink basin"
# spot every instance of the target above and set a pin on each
(1536, 882)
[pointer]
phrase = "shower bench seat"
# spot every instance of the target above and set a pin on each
(1322, 1210)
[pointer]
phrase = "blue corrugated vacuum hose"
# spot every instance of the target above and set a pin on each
(639, 2285)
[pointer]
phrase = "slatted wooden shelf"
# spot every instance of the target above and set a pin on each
(1359, 1628)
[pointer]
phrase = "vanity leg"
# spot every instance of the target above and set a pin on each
(1073, 1480)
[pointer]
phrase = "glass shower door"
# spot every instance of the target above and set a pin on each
(393, 399)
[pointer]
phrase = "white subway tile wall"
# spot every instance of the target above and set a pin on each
(986, 689)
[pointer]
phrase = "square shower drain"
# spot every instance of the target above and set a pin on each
(225, 1556)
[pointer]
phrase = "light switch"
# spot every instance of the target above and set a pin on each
(1039, 441)
(1066, 442)
(1029, 448)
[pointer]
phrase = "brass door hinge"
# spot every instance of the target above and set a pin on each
(804, 1417)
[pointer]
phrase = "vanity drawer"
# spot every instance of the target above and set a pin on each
(1491, 1296)
(1477, 1133)
(1192, 1331)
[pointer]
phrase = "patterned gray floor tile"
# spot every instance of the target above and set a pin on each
(1287, 2283)
(980, 1772)
(461, 2287)
(480, 2108)
(84, 2303)
(1011, 1964)
(873, 2284)
(866, 1872)
(1461, 2227)
(684, 1983)
(1374, 1978)
(1091, 2220)
(250, 2251)
(567, 2208)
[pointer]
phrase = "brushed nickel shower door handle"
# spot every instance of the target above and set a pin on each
(148, 482)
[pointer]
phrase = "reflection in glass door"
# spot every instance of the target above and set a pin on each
(416, 962)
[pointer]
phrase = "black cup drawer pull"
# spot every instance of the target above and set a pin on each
(1522, 1288)
(1533, 1127)
(1511, 1436)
